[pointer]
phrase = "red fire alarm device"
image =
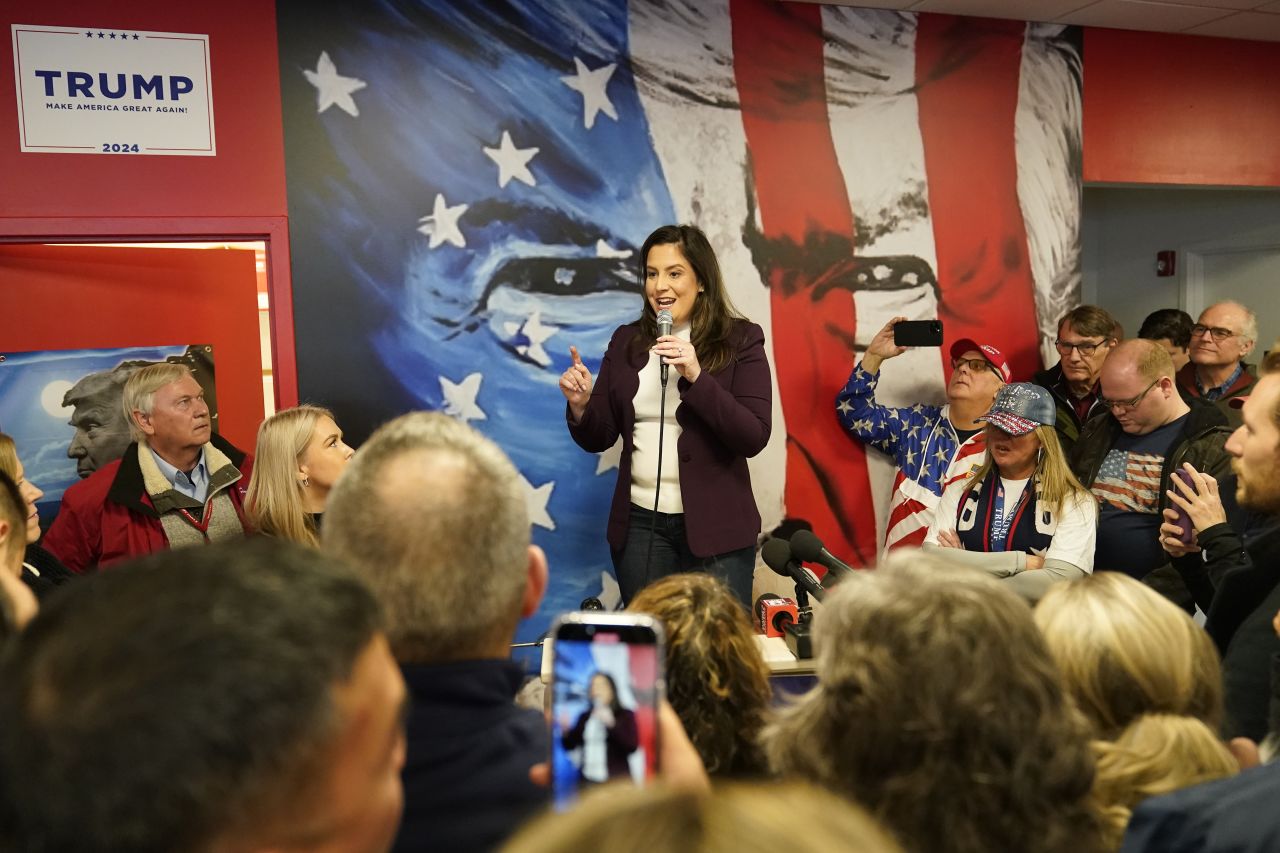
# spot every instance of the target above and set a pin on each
(1166, 262)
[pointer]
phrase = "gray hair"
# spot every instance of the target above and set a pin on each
(1249, 329)
(933, 679)
(432, 515)
(140, 391)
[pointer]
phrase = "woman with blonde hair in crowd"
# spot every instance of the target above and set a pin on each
(1150, 683)
(717, 680)
(41, 570)
(299, 456)
(1021, 516)
(736, 818)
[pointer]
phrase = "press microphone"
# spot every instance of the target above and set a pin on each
(664, 328)
(777, 556)
(591, 603)
(774, 614)
(809, 548)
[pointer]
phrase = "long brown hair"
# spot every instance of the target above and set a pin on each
(713, 317)
(717, 680)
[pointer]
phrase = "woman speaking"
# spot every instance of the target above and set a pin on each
(683, 500)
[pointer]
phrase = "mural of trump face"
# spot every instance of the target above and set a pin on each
(102, 432)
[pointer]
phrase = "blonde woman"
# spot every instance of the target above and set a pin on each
(41, 571)
(1149, 681)
(1021, 515)
(299, 456)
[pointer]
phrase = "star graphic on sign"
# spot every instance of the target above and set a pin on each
(460, 398)
(535, 500)
(135, 36)
(610, 458)
(441, 225)
(102, 35)
(88, 35)
(331, 87)
(512, 162)
(113, 35)
(533, 333)
(591, 85)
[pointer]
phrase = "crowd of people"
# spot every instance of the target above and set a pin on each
(331, 670)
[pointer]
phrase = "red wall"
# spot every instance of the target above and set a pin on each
(88, 297)
(1173, 109)
(246, 178)
(240, 193)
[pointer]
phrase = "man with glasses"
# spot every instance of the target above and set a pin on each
(1224, 335)
(1127, 457)
(1086, 335)
(932, 446)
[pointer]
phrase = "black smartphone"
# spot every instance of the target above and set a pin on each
(606, 682)
(918, 333)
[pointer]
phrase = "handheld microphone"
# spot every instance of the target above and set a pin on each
(774, 614)
(777, 556)
(809, 548)
(664, 328)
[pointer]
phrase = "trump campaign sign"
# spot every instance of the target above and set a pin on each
(112, 91)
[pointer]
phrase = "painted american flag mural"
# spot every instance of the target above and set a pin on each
(469, 183)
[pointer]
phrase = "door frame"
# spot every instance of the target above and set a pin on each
(273, 231)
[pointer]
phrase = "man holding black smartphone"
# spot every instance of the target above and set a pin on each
(932, 445)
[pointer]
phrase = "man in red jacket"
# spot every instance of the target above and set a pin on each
(178, 484)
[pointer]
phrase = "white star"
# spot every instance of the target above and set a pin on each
(535, 333)
(441, 225)
(843, 407)
(331, 87)
(460, 398)
(610, 593)
(610, 458)
(535, 500)
(512, 162)
(591, 85)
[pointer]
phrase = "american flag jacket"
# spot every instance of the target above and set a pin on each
(922, 442)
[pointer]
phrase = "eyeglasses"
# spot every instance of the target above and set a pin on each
(1219, 333)
(1085, 348)
(974, 365)
(1127, 404)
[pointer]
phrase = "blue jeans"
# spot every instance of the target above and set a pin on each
(671, 555)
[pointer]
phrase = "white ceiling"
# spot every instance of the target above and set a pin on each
(1258, 20)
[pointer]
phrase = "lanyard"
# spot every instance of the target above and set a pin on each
(203, 524)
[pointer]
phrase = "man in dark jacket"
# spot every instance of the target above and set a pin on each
(1220, 341)
(1086, 335)
(432, 516)
(1127, 459)
(178, 484)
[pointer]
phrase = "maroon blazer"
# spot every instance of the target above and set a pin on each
(725, 417)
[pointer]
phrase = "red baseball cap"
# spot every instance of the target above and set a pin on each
(993, 356)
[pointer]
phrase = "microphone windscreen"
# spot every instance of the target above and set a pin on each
(777, 554)
(664, 322)
(806, 546)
